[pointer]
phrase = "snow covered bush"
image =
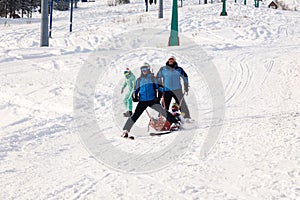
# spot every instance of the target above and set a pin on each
(116, 2)
(288, 6)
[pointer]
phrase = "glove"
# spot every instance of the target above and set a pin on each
(157, 100)
(186, 88)
(122, 90)
(135, 98)
(159, 95)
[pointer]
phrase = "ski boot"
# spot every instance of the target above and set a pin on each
(175, 126)
(127, 114)
(125, 134)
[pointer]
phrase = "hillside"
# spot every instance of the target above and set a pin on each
(61, 107)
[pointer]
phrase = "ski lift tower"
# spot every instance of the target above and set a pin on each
(256, 3)
(44, 24)
(224, 13)
(174, 39)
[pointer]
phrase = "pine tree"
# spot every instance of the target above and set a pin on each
(3, 8)
(13, 6)
(61, 4)
(26, 8)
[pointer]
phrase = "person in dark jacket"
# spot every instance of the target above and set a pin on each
(145, 90)
(169, 76)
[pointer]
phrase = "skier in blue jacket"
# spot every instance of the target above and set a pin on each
(145, 91)
(169, 76)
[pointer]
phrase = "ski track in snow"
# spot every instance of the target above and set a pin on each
(256, 52)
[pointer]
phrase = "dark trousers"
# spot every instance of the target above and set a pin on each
(141, 106)
(178, 96)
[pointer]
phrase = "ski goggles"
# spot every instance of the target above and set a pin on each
(175, 108)
(144, 69)
(126, 73)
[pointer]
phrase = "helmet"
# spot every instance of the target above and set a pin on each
(145, 67)
(175, 107)
(127, 72)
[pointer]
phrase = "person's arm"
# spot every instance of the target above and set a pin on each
(158, 86)
(136, 87)
(159, 76)
(131, 83)
(183, 75)
(185, 78)
(123, 86)
(135, 92)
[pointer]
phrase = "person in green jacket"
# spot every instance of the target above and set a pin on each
(129, 82)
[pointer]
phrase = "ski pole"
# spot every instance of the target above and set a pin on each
(149, 115)
(181, 100)
(163, 101)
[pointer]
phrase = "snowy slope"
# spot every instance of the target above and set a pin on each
(60, 105)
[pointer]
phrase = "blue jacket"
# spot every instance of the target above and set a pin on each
(146, 87)
(169, 77)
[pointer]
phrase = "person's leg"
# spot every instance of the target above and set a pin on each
(167, 99)
(141, 106)
(125, 102)
(128, 104)
(164, 113)
(177, 95)
(129, 101)
(183, 107)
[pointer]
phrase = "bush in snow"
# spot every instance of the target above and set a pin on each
(116, 2)
(285, 6)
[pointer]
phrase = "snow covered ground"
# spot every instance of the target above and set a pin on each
(61, 106)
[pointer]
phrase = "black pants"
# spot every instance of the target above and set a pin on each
(178, 96)
(142, 105)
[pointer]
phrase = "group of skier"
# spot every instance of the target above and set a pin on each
(157, 92)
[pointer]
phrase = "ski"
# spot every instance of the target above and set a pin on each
(159, 133)
(126, 136)
(129, 137)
